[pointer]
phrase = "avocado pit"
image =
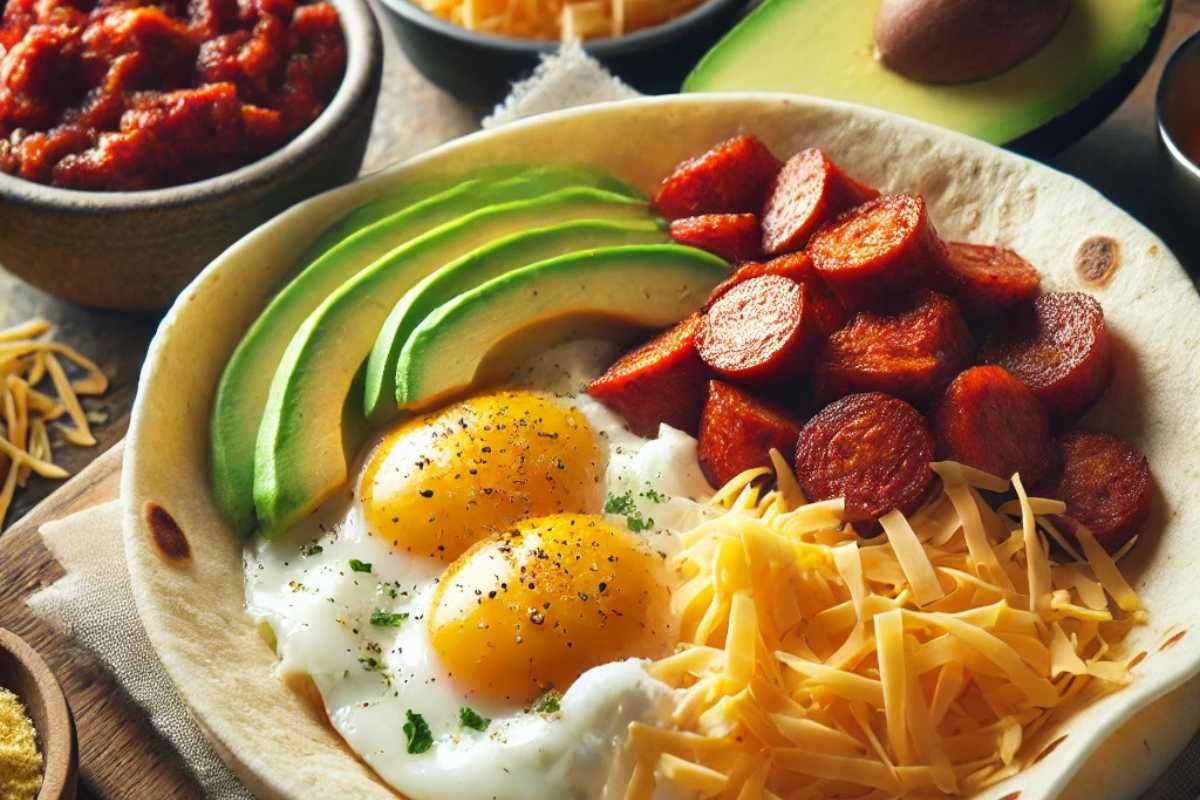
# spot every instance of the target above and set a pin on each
(956, 41)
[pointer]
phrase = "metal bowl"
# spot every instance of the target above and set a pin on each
(1178, 115)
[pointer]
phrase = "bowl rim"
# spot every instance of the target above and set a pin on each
(364, 50)
(1182, 50)
(600, 47)
(58, 742)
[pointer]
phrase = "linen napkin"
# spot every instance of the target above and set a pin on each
(93, 601)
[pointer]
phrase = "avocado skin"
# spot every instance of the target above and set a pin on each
(300, 452)
(242, 391)
(1064, 130)
(1041, 141)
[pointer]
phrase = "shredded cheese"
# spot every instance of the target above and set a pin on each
(565, 20)
(29, 358)
(918, 663)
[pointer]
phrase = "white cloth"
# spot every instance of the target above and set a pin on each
(94, 604)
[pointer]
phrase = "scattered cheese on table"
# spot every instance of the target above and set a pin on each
(35, 392)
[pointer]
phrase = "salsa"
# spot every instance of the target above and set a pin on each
(114, 95)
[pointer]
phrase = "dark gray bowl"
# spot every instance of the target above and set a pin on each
(137, 250)
(479, 68)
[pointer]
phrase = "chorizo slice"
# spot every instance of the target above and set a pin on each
(986, 279)
(872, 449)
(871, 252)
(991, 421)
(1106, 485)
(731, 178)
(663, 380)
(1060, 348)
(912, 353)
(807, 192)
(760, 333)
(737, 432)
(733, 237)
(797, 267)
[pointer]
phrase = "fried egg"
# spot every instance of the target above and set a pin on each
(487, 596)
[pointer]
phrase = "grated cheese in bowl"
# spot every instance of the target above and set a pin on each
(35, 392)
(565, 20)
(918, 662)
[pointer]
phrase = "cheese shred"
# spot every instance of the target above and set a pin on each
(28, 359)
(921, 662)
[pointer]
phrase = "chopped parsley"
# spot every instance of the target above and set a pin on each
(469, 719)
(387, 618)
(371, 664)
(359, 566)
(417, 732)
(653, 496)
(548, 703)
(624, 505)
(311, 549)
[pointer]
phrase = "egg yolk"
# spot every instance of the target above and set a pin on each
(442, 481)
(531, 608)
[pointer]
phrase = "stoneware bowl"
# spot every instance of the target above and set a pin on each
(478, 68)
(23, 672)
(137, 250)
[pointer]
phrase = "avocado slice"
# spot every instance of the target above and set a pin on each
(480, 334)
(300, 455)
(383, 395)
(825, 48)
(406, 214)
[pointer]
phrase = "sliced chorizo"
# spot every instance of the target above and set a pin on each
(986, 279)
(663, 380)
(991, 421)
(731, 178)
(733, 237)
(871, 252)
(1060, 348)
(737, 432)
(913, 352)
(873, 450)
(1106, 485)
(809, 191)
(760, 333)
(797, 267)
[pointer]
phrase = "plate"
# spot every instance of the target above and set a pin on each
(185, 564)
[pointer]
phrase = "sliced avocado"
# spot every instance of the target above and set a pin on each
(825, 48)
(242, 391)
(299, 457)
(644, 285)
(382, 393)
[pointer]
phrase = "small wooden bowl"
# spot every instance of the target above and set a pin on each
(23, 672)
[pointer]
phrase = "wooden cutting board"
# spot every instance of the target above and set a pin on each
(118, 748)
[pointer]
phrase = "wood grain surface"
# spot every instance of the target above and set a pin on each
(118, 747)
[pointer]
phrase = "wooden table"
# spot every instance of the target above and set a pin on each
(118, 746)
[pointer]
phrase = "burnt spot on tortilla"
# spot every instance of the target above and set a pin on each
(1169, 643)
(166, 534)
(1139, 658)
(1050, 748)
(1011, 796)
(1097, 260)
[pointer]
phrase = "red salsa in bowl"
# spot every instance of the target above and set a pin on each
(115, 95)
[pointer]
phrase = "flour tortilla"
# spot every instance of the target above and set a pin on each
(193, 612)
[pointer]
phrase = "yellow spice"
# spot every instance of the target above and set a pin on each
(20, 759)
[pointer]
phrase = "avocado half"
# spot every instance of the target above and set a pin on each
(825, 48)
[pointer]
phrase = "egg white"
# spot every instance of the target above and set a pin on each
(318, 609)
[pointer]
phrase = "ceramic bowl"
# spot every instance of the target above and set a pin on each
(23, 672)
(479, 68)
(137, 250)
(1179, 118)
